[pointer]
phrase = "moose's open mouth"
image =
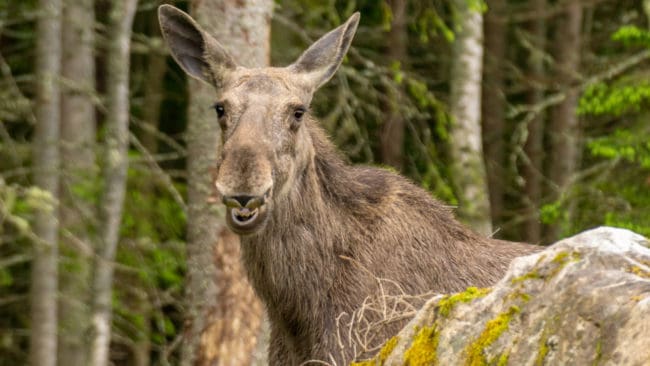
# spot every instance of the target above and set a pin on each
(244, 220)
(246, 214)
(243, 216)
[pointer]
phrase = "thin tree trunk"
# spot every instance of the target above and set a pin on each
(468, 169)
(44, 281)
(153, 97)
(534, 149)
(142, 344)
(153, 94)
(78, 163)
(115, 173)
(494, 104)
(564, 131)
(223, 315)
(392, 131)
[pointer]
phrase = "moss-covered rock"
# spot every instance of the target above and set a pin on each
(582, 301)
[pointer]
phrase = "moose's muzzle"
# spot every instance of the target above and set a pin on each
(245, 214)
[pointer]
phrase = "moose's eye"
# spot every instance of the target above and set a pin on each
(219, 108)
(298, 113)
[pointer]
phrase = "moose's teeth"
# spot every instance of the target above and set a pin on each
(243, 214)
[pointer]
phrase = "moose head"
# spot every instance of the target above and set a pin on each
(261, 112)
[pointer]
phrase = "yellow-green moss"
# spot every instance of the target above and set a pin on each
(518, 295)
(493, 330)
(562, 259)
(447, 303)
(364, 363)
(423, 350)
(503, 358)
(636, 298)
(639, 271)
(599, 353)
(387, 349)
(532, 275)
(381, 357)
(543, 349)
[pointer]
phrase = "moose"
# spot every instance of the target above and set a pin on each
(316, 232)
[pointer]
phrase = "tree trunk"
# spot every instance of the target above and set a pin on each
(141, 348)
(153, 94)
(467, 167)
(494, 104)
(223, 315)
(392, 130)
(564, 131)
(534, 148)
(115, 172)
(78, 163)
(44, 281)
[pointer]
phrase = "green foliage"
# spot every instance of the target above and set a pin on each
(552, 212)
(631, 35)
(619, 193)
(477, 6)
(6, 278)
(631, 144)
(152, 254)
(430, 25)
(602, 99)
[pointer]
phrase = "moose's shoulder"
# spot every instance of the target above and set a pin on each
(381, 184)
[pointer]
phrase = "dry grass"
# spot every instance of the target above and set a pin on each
(362, 333)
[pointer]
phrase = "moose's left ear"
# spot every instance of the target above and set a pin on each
(321, 60)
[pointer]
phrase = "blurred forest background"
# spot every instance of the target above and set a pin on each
(530, 116)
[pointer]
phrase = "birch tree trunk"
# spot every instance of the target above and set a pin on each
(494, 104)
(223, 314)
(78, 166)
(534, 148)
(115, 172)
(564, 130)
(44, 281)
(392, 131)
(466, 149)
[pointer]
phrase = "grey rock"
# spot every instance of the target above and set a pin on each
(583, 301)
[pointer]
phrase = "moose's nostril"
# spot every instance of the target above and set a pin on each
(251, 202)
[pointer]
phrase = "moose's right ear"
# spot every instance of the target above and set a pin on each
(198, 53)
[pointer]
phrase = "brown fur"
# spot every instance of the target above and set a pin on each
(391, 229)
(328, 230)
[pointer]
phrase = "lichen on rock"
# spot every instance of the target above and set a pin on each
(583, 301)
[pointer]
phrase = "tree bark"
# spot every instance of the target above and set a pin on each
(44, 281)
(534, 148)
(115, 173)
(493, 105)
(392, 130)
(141, 348)
(467, 167)
(153, 94)
(78, 166)
(223, 315)
(564, 130)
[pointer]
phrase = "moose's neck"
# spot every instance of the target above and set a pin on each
(304, 223)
